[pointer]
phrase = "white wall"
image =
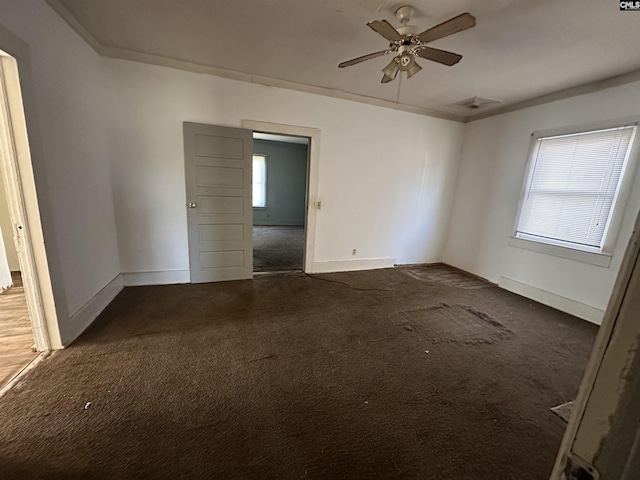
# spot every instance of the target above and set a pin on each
(386, 178)
(492, 167)
(76, 202)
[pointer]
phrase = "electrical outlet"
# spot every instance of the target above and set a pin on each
(318, 204)
(353, 252)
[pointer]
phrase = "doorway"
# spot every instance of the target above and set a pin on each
(17, 347)
(311, 136)
(279, 187)
(23, 324)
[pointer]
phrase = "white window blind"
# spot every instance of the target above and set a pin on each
(572, 186)
(259, 190)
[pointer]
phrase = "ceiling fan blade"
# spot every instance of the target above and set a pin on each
(440, 56)
(451, 26)
(364, 58)
(390, 71)
(385, 29)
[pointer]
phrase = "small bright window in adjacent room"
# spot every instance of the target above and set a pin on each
(572, 187)
(259, 181)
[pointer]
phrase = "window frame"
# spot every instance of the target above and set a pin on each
(582, 253)
(266, 200)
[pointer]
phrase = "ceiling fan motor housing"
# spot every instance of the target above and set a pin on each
(407, 30)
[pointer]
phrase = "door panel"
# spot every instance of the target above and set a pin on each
(228, 258)
(220, 205)
(219, 177)
(208, 145)
(221, 233)
(218, 181)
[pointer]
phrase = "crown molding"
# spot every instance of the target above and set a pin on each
(583, 89)
(68, 17)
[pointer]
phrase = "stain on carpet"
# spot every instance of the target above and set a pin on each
(461, 324)
(445, 275)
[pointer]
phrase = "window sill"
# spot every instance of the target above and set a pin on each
(593, 258)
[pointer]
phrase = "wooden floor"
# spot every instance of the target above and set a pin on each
(16, 337)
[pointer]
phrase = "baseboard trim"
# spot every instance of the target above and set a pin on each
(352, 265)
(165, 277)
(88, 312)
(573, 307)
(424, 264)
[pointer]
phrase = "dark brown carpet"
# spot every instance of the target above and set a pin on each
(277, 248)
(357, 375)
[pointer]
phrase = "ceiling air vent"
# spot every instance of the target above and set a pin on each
(474, 103)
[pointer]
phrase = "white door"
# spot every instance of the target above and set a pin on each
(219, 211)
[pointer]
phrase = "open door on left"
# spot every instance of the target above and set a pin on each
(219, 211)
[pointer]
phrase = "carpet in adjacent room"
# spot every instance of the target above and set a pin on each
(277, 248)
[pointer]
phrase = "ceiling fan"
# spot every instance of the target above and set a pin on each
(409, 44)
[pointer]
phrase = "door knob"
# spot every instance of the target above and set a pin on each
(192, 205)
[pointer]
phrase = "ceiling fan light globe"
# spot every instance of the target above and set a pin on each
(390, 71)
(405, 61)
(413, 69)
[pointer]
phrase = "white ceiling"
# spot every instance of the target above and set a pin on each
(519, 49)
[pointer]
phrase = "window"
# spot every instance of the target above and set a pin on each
(259, 190)
(572, 187)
